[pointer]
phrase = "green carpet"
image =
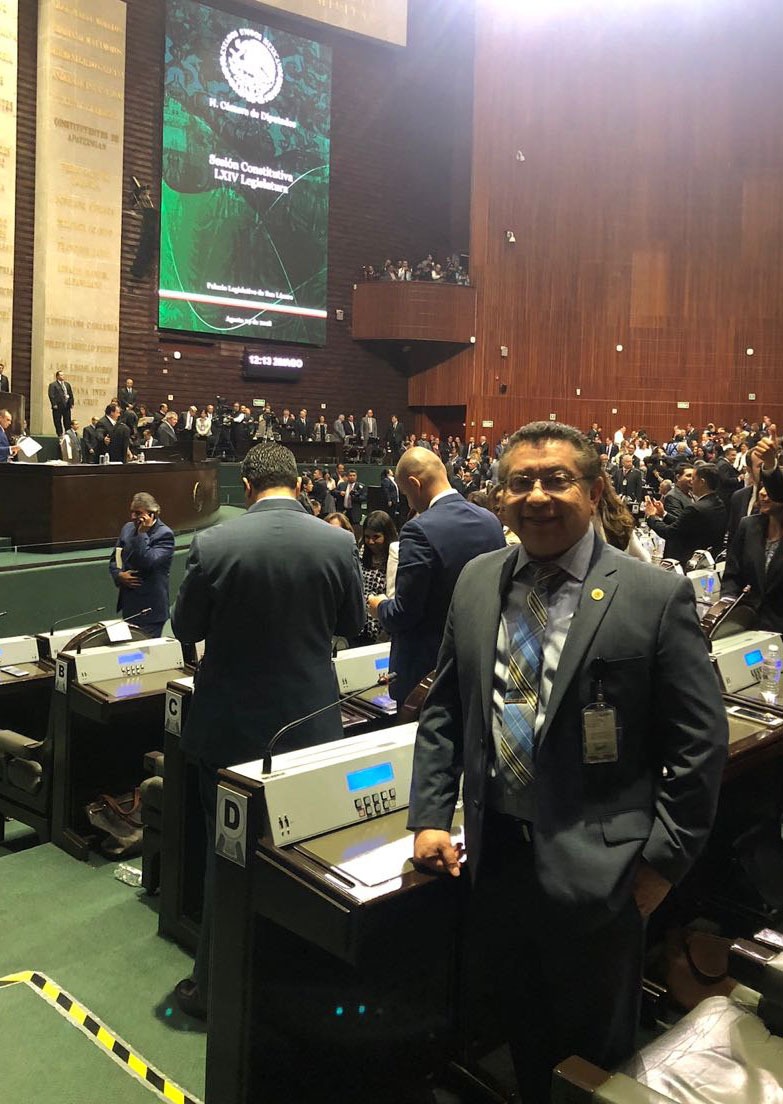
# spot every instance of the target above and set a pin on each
(16, 837)
(96, 938)
(68, 1068)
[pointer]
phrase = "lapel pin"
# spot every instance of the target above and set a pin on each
(597, 594)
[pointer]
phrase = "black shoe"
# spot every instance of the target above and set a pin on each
(190, 1000)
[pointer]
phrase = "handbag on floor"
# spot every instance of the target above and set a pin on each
(119, 818)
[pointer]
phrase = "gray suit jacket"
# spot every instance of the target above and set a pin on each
(369, 428)
(593, 822)
(266, 592)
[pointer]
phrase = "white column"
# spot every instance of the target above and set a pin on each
(78, 203)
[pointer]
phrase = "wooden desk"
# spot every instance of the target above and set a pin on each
(313, 452)
(51, 507)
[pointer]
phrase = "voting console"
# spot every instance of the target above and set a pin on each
(107, 712)
(183, 845)
(25, 760)
(326, 972)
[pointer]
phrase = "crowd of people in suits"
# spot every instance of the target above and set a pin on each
(584, 839)
(452, 271)
(710, 489)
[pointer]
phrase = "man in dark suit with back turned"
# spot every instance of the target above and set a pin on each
(702, 524)
(434, 548)
(275, 565)
(560, 695)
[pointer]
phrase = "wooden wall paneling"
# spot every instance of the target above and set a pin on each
(647, 212)
(413, 311)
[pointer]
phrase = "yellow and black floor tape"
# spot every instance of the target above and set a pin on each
(102, 1036)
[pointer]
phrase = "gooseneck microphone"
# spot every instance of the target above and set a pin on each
(75, 617)
(120, 621)
(138, 613)
(266, 765)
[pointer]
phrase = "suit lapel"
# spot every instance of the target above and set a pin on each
(597, 593)
(488, 616)
(757, 546)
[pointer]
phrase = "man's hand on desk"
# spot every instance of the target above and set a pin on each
(129, 579)
(433, 848)
(649, 888)
(373, 601)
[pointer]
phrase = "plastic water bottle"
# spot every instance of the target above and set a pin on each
(710, 588)
(131, 875)
(770, 674)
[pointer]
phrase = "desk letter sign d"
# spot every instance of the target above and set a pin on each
(230, 829)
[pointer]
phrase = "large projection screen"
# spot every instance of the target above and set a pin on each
(245, 179)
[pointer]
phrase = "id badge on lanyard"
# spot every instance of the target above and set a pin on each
(600, 730)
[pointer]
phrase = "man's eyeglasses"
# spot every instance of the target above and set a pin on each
(558, 483)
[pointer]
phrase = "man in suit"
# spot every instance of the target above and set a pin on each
(350, 497)
(560, 696)
(302, 426)
(61, 402)
(369, 431)
(104, 428)
(434, 547)
(729, 477)
(91, 442)
(395, 435)
(748, 562)
(628, 480)
(391, 493)
(70, 445)
(5, 383)
(679, 497)
(7, 450)
(166, 434)
(744, 502)
(140, 565)
(187, 421)
(339, 428)
(350, 426)
(321, 493)
(287, 425)
(120, 439)
(127, 395)
(702, 524)
(275, 565)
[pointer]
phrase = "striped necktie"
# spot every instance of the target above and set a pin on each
(526, 635)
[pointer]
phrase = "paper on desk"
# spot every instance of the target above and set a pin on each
(117, 631)
(28, 447)
(390, 860)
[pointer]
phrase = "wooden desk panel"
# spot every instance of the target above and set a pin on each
(53, 507)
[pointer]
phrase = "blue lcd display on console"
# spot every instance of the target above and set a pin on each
(369, 776)
(382, 664)
(130, 657)
(752, 658)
